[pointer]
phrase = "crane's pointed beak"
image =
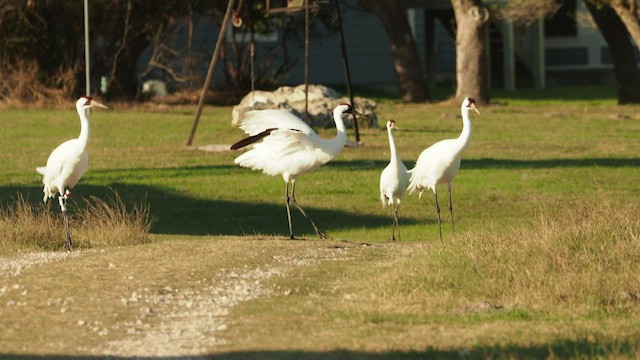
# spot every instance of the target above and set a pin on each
(360, 114)
(473, 107)
(95, 103)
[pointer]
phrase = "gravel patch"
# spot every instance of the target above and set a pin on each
(189, 322)
(14, 265)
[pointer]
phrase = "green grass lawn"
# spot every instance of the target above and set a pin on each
(546, 207)
(523, 157)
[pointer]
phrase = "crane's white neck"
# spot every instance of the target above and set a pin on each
(335, 145)
(85, 129)
(392, 146)
(465, 135)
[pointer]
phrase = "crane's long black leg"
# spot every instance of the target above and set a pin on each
(451, 210)
(66, 226)
(395, 222)
(393, 230)
(286, 202)
(62, 199)
(438, 210)
(319, 232)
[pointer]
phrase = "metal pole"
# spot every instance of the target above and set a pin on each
(212, 68)
(508, 56)
(345, 66)
(538, 55)
(87, 64)
(306, 61)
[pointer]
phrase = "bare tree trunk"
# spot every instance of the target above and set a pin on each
(629, 13)
(622, 54)
(471, 60)
(406, 62)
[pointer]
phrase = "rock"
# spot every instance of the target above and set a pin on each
(322, 101)
(154, 87)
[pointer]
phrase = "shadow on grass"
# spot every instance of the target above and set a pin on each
(178, 213)
(559, 349)
(549, 163)
(490, 163)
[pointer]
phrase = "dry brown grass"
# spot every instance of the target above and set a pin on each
(95, 223)
(103, 223)
(566, 282)
(20, 85)
(581, 259)
(585, 258)
(24, 226)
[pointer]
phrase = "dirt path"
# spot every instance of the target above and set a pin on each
(175, 321)
(14, 265)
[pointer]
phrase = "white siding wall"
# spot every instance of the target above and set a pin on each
(370, 60)
(588, 37)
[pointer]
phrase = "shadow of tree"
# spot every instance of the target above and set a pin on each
(548, 163)
(562, 348)
(179, 213)
(486, 163)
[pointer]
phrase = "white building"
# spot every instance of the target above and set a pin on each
(565, 50)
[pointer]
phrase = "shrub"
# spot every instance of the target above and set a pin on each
(96, 223)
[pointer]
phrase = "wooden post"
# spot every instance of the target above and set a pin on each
(87, 63)
(306, 61)
(345, 66)
(212, 68)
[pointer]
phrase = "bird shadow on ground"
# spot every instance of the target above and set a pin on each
(178, 213)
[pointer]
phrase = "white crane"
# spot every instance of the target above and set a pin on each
(290, 148)
(68, 162)
(393, 180)
(439, 163)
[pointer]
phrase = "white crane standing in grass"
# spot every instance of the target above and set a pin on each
(68, 162)
(439, 163)
(393, 180)
(290, 148)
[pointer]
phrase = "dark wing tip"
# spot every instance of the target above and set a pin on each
(251, 139)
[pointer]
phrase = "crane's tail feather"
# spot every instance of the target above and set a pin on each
(411, 188)
(413, 185)
(271, 154)
(47, 194)
(41, 170)
(251, 139)
(384, 199)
